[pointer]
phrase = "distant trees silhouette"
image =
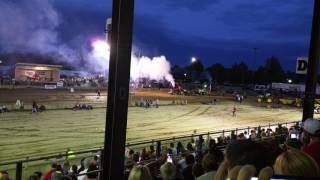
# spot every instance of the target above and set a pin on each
(239, 73)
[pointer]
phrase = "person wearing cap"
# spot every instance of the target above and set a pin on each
(312, 128)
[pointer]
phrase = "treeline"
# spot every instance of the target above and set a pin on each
(239, 73)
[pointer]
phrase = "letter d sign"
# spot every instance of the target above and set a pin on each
(302, 65)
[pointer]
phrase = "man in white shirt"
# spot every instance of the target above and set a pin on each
(86, 163)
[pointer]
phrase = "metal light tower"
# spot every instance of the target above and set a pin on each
(108, 30)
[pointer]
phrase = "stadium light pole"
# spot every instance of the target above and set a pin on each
(118, 90)
(311, 81)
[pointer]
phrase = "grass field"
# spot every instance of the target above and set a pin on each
(23, 134)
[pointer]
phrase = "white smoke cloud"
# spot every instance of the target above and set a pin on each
(156, 68)
(31, 26)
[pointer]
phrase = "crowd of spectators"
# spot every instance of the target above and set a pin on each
(262, 153)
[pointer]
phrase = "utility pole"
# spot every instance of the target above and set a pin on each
(311, 81)
(118, 90)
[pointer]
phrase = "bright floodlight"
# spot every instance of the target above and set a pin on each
(100, 50)
(101, 46)
(0, 61)
(289, 81)
(193, 59)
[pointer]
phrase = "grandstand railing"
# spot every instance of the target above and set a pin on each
(136, 145)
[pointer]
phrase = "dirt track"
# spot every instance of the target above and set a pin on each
(60, 99)
(25, 134)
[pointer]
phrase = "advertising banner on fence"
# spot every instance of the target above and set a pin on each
(50, 86)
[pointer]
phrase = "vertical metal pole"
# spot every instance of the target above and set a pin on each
(100, 177)
(158, 151)
(19, 171)
(311, 82)
(118, 89)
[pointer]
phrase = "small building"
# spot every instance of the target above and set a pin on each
(37, 72)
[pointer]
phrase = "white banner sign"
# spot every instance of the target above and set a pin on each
(50, 86)
(302, 65)
(60, 84)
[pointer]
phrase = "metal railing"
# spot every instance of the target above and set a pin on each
(138, 145)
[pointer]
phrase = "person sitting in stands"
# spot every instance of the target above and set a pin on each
(92, 175)
(49, 174)
(243, 152)
(168, 171)
(74, 172)
(57, 174)
(81, 166)
(140, 172)
(86, 164)
(293, 162)
(312, 128)
(210, 164)
(187, 172)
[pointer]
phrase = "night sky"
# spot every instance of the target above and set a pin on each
(215, 31)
